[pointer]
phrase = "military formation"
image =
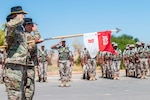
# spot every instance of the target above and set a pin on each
(21, 56)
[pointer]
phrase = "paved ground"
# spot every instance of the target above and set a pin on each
(101, 89)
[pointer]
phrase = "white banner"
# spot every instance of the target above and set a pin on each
(91, 43)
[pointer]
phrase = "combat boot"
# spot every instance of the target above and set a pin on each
(115, 77)
(66, 84)
(62, 83)
(45, 80)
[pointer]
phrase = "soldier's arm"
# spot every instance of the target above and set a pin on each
(13, 23)
(56, 46)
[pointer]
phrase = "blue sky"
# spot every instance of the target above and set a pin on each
(66, 17)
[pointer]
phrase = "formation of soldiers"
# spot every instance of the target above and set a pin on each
(22, 56)
(137, 60)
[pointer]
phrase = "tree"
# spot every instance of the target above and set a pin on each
(77, 45)
(123, 40)
(1, 37)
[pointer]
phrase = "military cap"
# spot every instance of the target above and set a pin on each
(116, 44)
(17, 10)
(27, 21)
(63, 40)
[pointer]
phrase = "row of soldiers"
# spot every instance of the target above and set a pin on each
(109, 62)
(137, 60)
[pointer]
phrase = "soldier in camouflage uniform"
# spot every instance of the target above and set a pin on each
(89, 65)
(84, 63)
(107, 64)
(32, 61)
(43, 64)
(16, 50)
(116, 61)
(64, 60)
(143, 57)
(1, 66)
(148, 50)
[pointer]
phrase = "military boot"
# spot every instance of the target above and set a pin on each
(62, 83)
(45, 80)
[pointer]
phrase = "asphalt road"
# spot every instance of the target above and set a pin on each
(102, 89)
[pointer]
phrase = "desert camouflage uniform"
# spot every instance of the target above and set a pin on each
(148, 51)
(30, 68)
(16, 59)
(43, 64)
(102, 63)
(84, 63)
(64, 63)
(143, 62)
(107, 65)
(116, 61)
(1, 66)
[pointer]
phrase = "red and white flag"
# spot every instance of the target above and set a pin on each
(98, 41)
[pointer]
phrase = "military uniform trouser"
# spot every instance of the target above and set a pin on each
(29, 85)
(70, 71)
(1, 73)
(64, 66)
(144, 64)
(85, 70)
(14, 81)
(116, 66)
(92, 66)
(43, 68)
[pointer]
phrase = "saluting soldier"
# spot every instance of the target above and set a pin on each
(32, 61)
(64, 61)
(16, 50)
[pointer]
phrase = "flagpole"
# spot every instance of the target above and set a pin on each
(67, 36)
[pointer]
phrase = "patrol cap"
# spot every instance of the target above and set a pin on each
(27, 21)
(127, 47)
(115, 44)
(63, 40)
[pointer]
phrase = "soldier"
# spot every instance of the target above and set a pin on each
(32, 61)
(16, 50)
(143, 58)
(107, 64)
(1, 65)
(89, 65)
(116, 61)
(64, 60)
(148, 50)
(43, 64)
(84, 64)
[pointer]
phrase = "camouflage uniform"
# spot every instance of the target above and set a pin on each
(1, 66)
(84, 63)
(116, 61)
(30, 68)
(107, 64)
(64, 63)
(143, 62)
(43, 64)
(16, 59)
(148, 51)
(102, 62)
